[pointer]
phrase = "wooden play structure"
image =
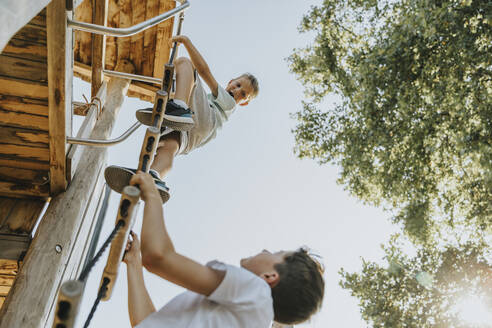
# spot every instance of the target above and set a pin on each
(51, 177)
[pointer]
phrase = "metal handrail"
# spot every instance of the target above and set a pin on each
(126, 31)
(104, 143)
(135, 77)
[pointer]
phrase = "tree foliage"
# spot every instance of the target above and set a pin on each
(422, 291)
(413, 129)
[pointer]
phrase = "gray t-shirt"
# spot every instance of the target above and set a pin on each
(242, 300)
(210, 114)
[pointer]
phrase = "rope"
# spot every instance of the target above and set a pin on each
(92, 262)
(100, 294)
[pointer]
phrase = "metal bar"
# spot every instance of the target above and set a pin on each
(178, 32)
(126, 31)
(104, 143)
(135, 77)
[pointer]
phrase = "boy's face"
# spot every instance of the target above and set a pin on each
(263, 264)
(240, 89)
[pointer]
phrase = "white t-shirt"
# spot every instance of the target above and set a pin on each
(210, 113)
(242, 300)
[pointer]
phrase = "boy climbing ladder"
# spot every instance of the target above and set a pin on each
(191, 119)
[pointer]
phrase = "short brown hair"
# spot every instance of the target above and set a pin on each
(254, 83)
(300, 289)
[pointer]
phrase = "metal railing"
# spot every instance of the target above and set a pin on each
(104, 143)
(127, 31)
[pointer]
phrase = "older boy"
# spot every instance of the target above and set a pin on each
(210, 112)
(287, 287)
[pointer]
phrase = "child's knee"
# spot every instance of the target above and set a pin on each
(183, 63)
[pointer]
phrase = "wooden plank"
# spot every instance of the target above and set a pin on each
(23, 152)
(111, 48)
(23, 137)
(12, 189)
(7, 279)
(4, 290)
(13, 247)
(26, 49)
(9, 267)
(24, 105)
(24, 120)
(15, 174)
(150, 35)
(100, 17)
(39, 19)
(32, 33)
(123, 44)
(22, 215)
(25, 69)
(75, 152)
(2, 300)
(164, 32)
(59, 91)
(24, 164)
(83, 43)
(136, 41)
(23, 88)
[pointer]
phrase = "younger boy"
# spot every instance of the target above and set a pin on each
(287, 287)
(210, 111)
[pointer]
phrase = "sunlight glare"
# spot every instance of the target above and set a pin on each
(472, 309)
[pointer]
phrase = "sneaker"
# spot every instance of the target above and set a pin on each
(118, 177)
(176, 116)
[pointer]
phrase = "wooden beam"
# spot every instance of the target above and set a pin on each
(75, 151)
(67, 224)
(15, 87)
(100, 17)
(164, 32)
(59, 91)
(24, 137)
(18, 189)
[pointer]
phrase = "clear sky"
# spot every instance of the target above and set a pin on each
(246, 190)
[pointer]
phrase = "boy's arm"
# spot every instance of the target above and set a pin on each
(199, 62)
(158, 254)
(140, 305)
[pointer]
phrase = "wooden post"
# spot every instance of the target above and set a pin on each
(100, 17)
(59, 43)
(57, 250)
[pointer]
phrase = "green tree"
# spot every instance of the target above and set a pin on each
(425, 290)
(413, 128)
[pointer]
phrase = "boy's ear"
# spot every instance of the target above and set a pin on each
(271, 278)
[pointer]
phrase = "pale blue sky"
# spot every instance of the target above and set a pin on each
(246, 190)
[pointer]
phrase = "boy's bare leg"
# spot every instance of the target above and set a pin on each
(184, 78)
(166, 151)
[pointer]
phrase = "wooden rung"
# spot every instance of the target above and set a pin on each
(126, 214)
(68, 303)
(167, 81)
(160, 102)
(149, 146)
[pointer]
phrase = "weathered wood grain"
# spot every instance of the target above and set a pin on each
(24, 176)
(24, 164)
(111, 48)
(13, 246)
(9, 267)
(164, 32)
(136, 41)
(25, 69)
(26, 49)
(21, 215)
(32, 33)
(99, 17)
(21, 136)
(59, 91)
(24, 105)
(24, 120)
(6, 279)
(23, 88)
(13, 189)
(152, 10)
(83, 40)
(123, 44)
(24, 152)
